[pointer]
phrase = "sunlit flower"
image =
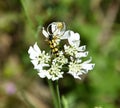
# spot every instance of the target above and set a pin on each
(53, 73)
(76, 52)
(77, 68)
(73, 49)
(47, 67)
(52, 66)
(73, 38)
(38, 57)
(60, 60)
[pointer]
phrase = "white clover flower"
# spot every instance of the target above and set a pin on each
(76, 68)
(38, 58)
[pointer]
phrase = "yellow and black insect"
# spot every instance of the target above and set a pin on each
(54, 31)
(53, 45)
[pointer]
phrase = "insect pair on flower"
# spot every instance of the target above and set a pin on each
(69, 57)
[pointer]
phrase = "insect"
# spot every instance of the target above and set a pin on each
(53, 34)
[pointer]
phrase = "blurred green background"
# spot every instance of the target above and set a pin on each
(97, 21)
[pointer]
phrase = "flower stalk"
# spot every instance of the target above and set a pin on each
(68, 60)
(54, 88)
(58, 94)
(53, 93)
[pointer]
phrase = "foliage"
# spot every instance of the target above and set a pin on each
(97, 21)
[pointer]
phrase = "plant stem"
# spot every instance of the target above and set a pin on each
(58, 94)
(24, 6)
(53, 93)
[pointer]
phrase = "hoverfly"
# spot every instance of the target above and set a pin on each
(54, 32)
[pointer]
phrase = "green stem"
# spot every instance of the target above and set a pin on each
(24, 6)
(53, 93)
(58, 94)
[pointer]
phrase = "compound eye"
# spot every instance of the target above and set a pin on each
(56, 28)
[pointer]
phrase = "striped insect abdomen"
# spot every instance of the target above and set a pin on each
(53, 46)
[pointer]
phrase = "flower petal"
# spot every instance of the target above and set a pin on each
(66, 35)
(74, 39)
(82, 48)
(34, 51)
(88, 61)
(81, 54)
(75, 75)
(42, 73)
(45, 33)
(36, 48)
(87, 67)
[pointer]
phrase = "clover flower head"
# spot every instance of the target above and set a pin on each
(71, 57)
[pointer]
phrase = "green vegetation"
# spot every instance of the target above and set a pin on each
(97, 21)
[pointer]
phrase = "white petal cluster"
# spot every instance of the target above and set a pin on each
(44, 65)
(38, 57)
(53, 73)
(60, 60)
(71, 56)
(77, 68)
